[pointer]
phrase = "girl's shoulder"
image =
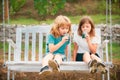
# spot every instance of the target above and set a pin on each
(96, 36)
(51, 35)
(96, 39)
(76, 37)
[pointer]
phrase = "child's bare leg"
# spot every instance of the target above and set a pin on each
(46, 59)
(93, 56)
(91, 63)
(101, 66)
(54, 64)
(86, 57)
(58, 58)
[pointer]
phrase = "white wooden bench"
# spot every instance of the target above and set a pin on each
(26, 53)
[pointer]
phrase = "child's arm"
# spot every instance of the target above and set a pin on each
(92, 47)
(53, 47)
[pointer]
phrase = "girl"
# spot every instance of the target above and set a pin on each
(57, 44)
(86, 44)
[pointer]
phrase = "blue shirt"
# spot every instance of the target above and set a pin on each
(54, 40)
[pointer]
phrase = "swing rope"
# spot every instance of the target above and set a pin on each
(110, 31)
(3, 34)
(106, 17)
(4, 29)
(109, 25)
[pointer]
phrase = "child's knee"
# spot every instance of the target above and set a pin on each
(58, 58)
(86, 54)
(48, 56)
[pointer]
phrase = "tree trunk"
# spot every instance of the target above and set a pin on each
(6, 13)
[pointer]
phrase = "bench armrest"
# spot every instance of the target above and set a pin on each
(103, 45)
(11, 43)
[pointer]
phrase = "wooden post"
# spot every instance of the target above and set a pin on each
(6, 13)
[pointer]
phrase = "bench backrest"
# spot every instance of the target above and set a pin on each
(31, 40)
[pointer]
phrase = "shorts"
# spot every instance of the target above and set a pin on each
(64, 58)
(79, 56)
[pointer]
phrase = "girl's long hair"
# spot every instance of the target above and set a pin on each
(59, 22)
(84, 20)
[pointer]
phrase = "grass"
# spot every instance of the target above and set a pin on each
(98, 19)
(24, 21)
(116, 50)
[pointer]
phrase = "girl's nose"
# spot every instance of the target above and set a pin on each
(66, 30)
(85, 28)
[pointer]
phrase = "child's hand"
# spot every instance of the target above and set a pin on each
(87, 37)
(65, 38)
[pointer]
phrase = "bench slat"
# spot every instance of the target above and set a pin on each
(26, 46)
(33, 46)
(17, 53)
(34, 66)
(40, 46)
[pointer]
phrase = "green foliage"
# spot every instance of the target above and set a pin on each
(0, 7)
(83, 10)
(101, 8)
(98, 19)
(15, 5)
(116, 50)
(73, 1)
(115, 1)
(46, 7)
(2, 45)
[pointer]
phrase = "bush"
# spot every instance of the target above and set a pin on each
(16, 5)
(46, 7)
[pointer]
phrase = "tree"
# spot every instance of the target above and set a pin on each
(15, 5)
(6, 10)
(46, 7)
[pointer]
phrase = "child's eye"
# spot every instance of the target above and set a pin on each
(87, 26)
(83, 26)
(66, 28)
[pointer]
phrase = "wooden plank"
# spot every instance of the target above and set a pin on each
(40, 46)
(33, 46)
(26, 46)
(17, 52)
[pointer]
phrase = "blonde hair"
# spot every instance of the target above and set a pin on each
(59, 22)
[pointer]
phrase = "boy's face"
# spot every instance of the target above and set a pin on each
(63, 30)
(86, 27)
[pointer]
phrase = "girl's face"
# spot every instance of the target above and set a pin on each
(63, 30)
(86, 27)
